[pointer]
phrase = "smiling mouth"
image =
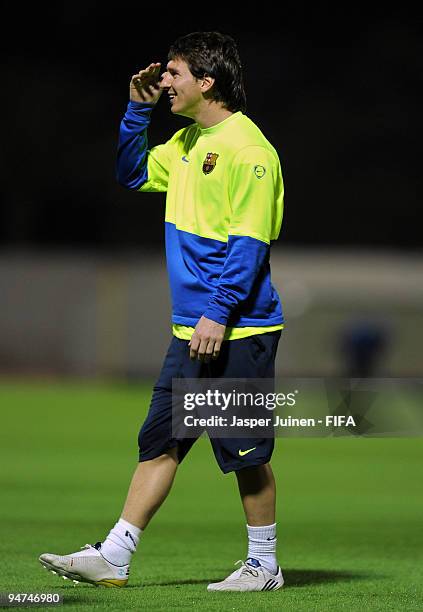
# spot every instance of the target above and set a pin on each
(171, 97)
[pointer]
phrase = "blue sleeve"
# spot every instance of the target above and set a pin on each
(245, 257)
(131, 167)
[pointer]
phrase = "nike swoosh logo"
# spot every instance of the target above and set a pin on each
(185, 159)
(129, 535)
(242, 453)
(270, 539)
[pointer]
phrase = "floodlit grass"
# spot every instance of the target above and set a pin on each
(349, 510)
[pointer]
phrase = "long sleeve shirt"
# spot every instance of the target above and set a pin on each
(224, 208)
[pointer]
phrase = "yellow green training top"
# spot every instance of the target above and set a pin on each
(224, 207)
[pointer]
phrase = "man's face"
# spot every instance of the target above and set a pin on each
(183, 89)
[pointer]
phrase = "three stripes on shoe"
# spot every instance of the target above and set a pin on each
(270, 584)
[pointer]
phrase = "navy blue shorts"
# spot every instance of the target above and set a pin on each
(251, 357)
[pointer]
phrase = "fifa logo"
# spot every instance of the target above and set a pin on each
(209, 163)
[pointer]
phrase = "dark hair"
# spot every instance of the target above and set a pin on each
(216, 55)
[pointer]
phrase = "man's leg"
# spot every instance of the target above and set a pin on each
(107, 562)
(158, 462)
(252, 357)
(258, 494)
(150, 485)
(149, 488)
(260, 572)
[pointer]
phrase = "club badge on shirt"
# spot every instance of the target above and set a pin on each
(209, 163)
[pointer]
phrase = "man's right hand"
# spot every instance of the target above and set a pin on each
(144, 86)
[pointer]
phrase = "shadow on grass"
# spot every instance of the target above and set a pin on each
(177, 583)
(306, 577)
(293, 578)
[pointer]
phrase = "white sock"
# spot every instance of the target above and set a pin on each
(121, 543)
(262, 546)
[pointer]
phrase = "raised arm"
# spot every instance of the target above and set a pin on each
(137, 168)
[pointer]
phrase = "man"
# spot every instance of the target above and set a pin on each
(224, 207)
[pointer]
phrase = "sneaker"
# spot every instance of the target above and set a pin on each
(87, 565)
(251, 576)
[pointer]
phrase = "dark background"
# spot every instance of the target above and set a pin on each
(336, 92)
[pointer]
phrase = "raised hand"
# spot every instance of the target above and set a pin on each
(144, 86)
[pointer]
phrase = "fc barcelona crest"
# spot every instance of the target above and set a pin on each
(210, 162)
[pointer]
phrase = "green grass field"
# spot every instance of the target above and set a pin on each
(349, 510)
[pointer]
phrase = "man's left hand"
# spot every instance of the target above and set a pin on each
(206, 340)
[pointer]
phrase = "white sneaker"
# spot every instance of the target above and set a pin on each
(251, 576)
(87, 565)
